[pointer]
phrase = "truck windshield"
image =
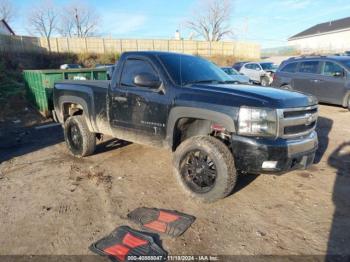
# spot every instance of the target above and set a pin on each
(186, 70)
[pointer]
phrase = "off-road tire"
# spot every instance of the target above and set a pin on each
(348, 102)
(264, 81)
(87, 140)
(222, 157)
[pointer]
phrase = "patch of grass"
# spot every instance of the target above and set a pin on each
(10, 82)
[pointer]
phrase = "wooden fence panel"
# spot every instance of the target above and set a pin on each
(145, 45)
(95, 45)
(109, 45)
(161, 45)
(129, 45)
(113, 45)
(190, 47)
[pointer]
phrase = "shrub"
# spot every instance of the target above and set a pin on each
(10, 81)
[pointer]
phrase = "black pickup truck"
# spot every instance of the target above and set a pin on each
(188, 105)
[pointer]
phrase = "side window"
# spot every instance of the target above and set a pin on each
(257, 67)
(290, 68)
(332, 69)
(133, 67)
(310, 67)
(248, 66)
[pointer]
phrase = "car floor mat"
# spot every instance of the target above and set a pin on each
(125, 244)
(170, 222)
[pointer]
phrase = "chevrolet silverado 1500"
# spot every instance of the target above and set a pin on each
(188, 105)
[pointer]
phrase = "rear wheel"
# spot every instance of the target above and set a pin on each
(80, 141)
(205, 168)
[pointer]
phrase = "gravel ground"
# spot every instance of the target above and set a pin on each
(52, 203)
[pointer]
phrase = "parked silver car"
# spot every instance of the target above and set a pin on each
(259, 72)
(236, 76)
(326, 77)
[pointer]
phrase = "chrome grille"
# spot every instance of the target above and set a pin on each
(296, 122)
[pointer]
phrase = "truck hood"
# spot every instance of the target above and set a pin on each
(258, 96)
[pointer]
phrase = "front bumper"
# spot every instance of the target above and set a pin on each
(255, 156)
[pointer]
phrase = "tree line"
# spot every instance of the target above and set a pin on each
(210, 19)
(45, 19)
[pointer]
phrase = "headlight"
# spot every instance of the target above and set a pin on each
(257, 121)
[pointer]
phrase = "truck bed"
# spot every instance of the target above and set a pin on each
(91, 83)
(91, 93)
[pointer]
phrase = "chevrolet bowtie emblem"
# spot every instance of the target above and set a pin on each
(309, 119)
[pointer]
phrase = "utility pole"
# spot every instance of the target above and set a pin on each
(78, 23)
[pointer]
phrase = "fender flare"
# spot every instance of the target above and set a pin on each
(198, 113)
(74, 100)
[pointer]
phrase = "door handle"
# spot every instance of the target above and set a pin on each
(120, 98)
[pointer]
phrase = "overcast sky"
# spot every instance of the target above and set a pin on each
(268, 22)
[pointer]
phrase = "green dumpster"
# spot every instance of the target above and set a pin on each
(39, 84)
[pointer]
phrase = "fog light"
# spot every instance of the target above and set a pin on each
(269, 164)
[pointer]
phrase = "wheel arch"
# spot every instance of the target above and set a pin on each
(197, 120)
(285, 84)
(71, 105)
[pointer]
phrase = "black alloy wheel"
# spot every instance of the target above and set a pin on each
(198, 171)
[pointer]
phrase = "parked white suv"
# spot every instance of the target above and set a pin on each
(259, 72)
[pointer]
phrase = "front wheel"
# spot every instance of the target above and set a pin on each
(205, 168)
(80, 141)
(349, 102)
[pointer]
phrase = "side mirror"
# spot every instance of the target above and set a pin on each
(338, 74)
(258, 69)
(147, 80)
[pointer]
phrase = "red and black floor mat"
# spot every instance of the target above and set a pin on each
(168, 222)
(124, 244)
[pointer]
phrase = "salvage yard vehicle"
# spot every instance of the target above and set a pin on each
(188, 105)
(326, 77)
(259, 72)
(237, 78)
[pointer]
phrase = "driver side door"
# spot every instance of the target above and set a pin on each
(140, 111)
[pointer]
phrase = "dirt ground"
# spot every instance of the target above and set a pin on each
(52, 203)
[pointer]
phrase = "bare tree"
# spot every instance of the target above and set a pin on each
(211, 19)
(66, 24)
(7, 10)
(79, 20)
(42, 20)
